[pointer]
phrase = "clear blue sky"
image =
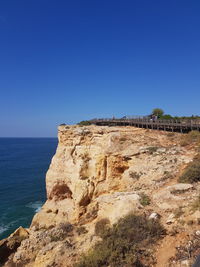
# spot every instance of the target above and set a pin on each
(66, 61)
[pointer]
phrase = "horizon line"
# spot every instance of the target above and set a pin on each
(28, 137)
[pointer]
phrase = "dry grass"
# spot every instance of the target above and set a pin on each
(192, 137)
(191, 173)
(128, 243)
(196, 204)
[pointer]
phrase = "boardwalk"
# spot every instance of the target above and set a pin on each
(183, 126)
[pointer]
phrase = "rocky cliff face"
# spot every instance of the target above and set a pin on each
(98, 170)
(105, 172)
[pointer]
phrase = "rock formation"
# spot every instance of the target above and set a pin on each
(105, 172)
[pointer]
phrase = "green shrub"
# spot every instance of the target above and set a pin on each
(101, 226)
(60, 232)
(158, 112)
(84, 123)
(192, 172)
(127, 243)
(166, 117)
(144, 199)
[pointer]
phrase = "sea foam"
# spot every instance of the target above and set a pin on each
(35, 205)
(3, 228)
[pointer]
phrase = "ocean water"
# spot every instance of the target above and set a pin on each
(23, 166)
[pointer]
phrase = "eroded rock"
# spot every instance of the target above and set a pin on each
(96, 173)
(9, 245)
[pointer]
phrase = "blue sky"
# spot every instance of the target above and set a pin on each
(66, 61)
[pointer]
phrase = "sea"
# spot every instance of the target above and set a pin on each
(23, 166)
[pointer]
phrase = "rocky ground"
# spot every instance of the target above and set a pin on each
(107, 173)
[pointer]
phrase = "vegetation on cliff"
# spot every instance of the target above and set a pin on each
(98, 176)
(84, 123)
(192, 172)
(192, 138)
(126, 243)
(158, 112)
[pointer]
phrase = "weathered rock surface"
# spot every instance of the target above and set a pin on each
(9, 245)
(103, 172)
(91, 161)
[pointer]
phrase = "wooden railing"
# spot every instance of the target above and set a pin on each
(182, 125)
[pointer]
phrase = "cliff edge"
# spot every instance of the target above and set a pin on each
(107, 173)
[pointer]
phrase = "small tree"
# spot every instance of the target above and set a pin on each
(158, 112)
(167, 117)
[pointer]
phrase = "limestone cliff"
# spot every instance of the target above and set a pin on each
(94, 168)
(103, 172)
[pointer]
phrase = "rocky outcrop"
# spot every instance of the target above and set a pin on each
(98, 173)
(9, 245)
